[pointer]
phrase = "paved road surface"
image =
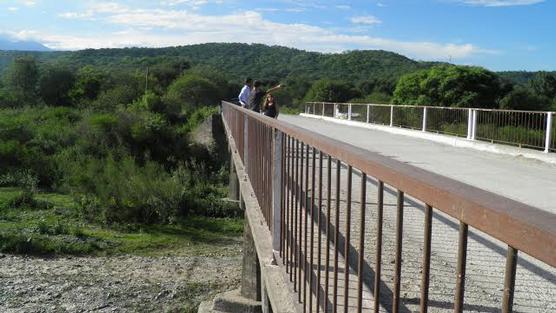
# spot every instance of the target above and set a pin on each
(525, 180)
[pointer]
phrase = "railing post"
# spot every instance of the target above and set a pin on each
(548, 132)
(391, 115)
(245, 141)
(277, 190)
(314, 108)
(368, 112)
(469, 123)
(424, 119)
(474, 125)
(349, 112)
(322, 109)
(335, 115)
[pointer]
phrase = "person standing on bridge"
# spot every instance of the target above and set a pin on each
(270, 108)
(245, 92)
(257, 95)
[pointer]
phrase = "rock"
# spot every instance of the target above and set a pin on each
(161, 294)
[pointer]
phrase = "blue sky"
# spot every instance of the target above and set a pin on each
(496, 34)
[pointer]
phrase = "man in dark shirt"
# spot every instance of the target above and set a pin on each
(257, 95)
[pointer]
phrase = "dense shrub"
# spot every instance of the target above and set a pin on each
(447, 85)
(116, 144)
(522, 98)
(331, 91)
(191, 91)
(119, 191)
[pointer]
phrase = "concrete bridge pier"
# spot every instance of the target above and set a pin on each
(252, 296)
(248, 297)
(233, 185)
(264, 285)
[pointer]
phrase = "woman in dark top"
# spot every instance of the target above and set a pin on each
(270, 108)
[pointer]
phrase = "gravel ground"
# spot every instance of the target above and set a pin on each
(114, 284)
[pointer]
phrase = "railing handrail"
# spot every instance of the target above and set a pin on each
(428, 107)
(519, 225)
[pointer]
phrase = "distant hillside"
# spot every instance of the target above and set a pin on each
(241, 60)
(19, 45)
(518, 77)
(271, 63)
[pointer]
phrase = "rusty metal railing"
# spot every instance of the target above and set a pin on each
(528, 129)
(343, 215)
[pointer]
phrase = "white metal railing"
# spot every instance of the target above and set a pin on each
(530, 129)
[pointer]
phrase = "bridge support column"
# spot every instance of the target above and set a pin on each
(251, 269)
(233, 185)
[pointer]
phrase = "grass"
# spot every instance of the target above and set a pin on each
(59, 229)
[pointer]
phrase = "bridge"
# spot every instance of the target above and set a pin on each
(341, 218)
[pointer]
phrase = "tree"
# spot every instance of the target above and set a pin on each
(55, 84)
(118, 95)
(366, 87)
(21, 79)
(192, 90)
(544, 84)
(88, 83)
(447, 85)
(522, 98)
(297, 86)
(331, 91)
(166, 72)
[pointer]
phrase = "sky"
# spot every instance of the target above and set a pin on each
(496, 34)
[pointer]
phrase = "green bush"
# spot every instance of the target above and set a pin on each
(120, 191)
(191, 91)
(37, 244)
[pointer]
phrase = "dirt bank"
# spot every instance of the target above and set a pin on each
(114, 284)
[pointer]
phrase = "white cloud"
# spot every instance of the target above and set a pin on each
(13, 9)
(169, 27)
(188, 2)
(500, 3)
(366, 20)
(343, 7)
(27, 3)
(290, 10)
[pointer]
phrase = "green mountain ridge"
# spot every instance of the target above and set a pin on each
(237, 60)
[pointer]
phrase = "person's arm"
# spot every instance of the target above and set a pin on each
(274, 88)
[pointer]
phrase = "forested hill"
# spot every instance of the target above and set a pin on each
(241, 60)
(519, 77)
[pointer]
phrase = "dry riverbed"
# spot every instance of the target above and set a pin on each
(117, 283)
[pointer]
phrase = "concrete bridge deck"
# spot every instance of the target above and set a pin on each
(525, 180)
